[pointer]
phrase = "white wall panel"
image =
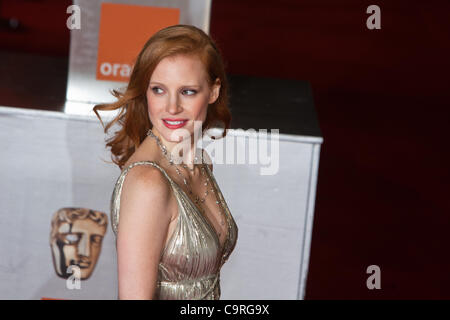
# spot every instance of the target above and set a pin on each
(51, 160)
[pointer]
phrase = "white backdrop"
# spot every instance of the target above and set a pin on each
(51, 160)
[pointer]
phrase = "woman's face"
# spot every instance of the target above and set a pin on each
(179, 91)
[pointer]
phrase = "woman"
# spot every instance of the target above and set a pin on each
(175, 230)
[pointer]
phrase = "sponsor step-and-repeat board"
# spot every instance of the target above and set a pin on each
(109, 35)
(124, 29)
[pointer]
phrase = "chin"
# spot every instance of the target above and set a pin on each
(184, 131)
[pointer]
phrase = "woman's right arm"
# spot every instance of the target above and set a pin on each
(142, 230)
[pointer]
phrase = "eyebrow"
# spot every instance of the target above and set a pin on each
(187, 85)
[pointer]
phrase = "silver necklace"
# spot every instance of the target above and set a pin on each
(197, 199)
(169, 157)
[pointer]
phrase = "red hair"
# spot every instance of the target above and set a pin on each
(133, 115)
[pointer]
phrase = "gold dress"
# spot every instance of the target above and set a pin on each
(190, 263)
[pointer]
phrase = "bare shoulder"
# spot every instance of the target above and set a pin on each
(207, 159)
(145, 190)
(146, 175)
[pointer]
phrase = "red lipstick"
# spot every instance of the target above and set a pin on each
(174, 123)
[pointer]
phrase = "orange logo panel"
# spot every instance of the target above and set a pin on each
(123, 31)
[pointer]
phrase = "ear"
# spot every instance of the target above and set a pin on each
(214, 91)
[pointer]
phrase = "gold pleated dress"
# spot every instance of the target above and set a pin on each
(190, 264)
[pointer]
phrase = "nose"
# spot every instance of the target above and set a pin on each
(174, 104)
(84, 246)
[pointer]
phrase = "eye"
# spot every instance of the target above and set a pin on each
(97, 239)
(154, 89)
(70, 238)
(192, 92)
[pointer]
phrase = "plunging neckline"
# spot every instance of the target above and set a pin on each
(208, 222)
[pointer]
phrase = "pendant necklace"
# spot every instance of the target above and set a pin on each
(207, 182)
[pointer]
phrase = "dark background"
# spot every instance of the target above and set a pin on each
(382, 98)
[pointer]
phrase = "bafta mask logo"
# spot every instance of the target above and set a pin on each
(76, 240)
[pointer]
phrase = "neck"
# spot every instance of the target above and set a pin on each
(182, 152)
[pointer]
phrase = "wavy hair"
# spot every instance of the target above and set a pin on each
(132, 104)
(70, 215)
